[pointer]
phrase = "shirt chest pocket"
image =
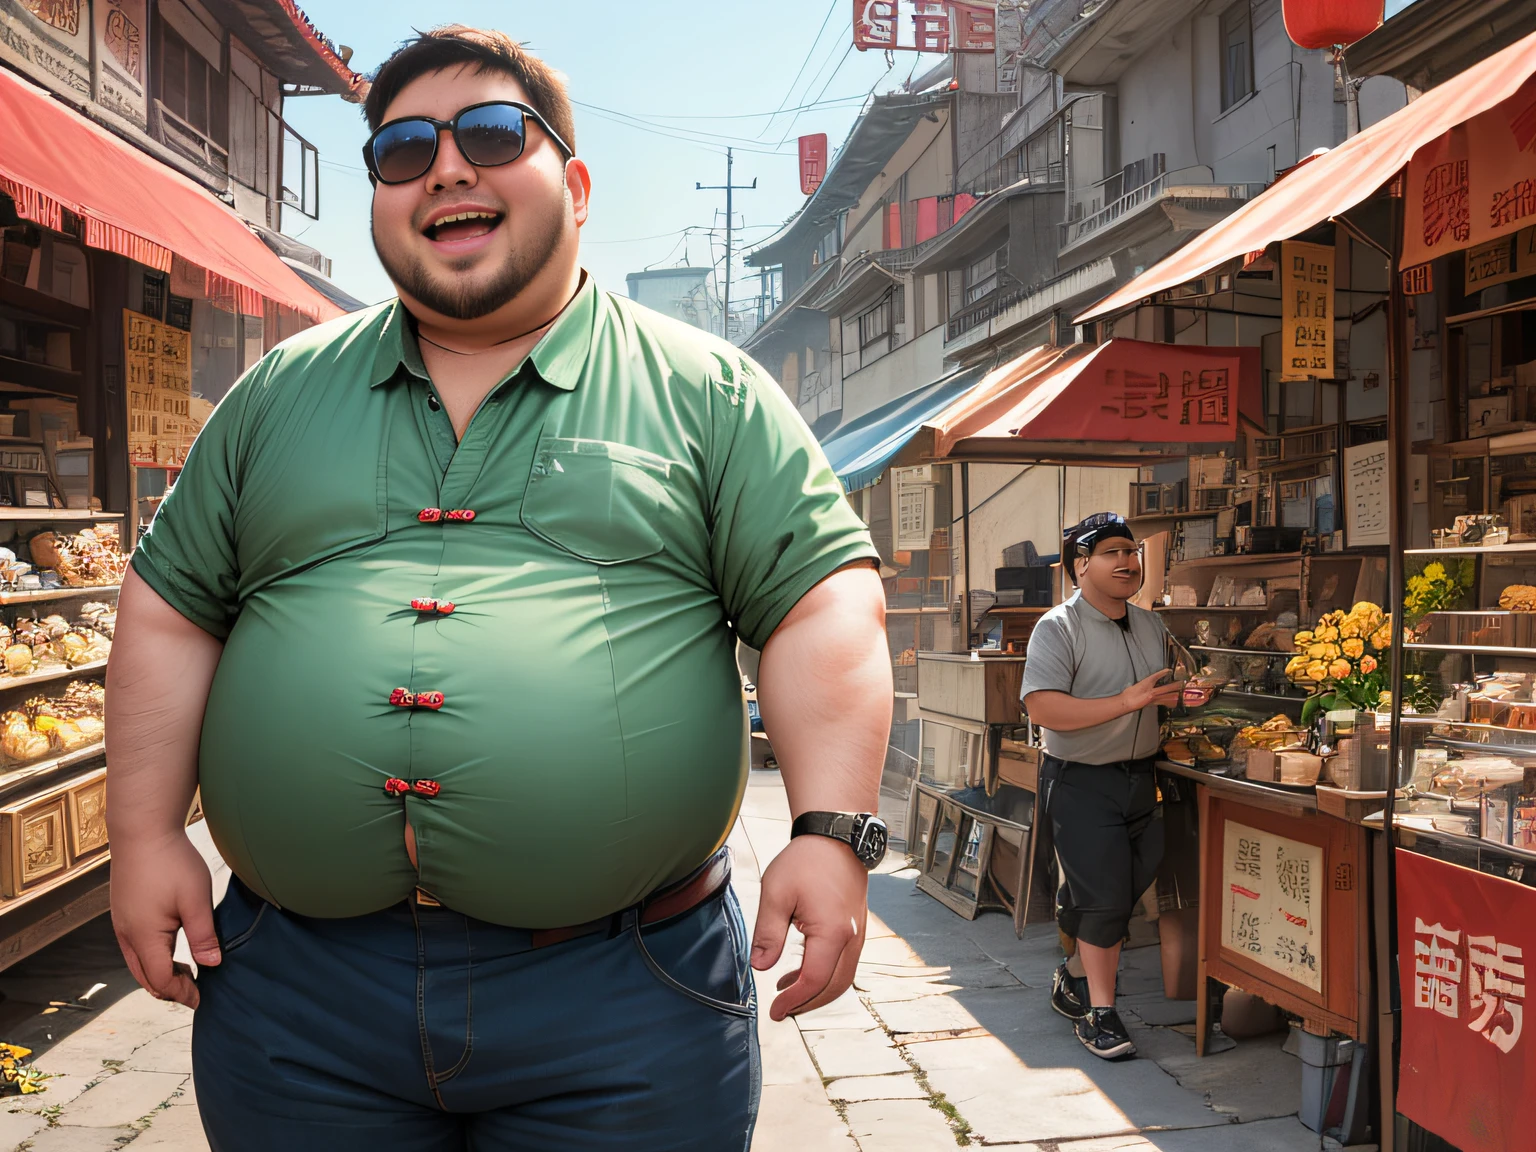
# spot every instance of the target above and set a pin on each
(596, 499)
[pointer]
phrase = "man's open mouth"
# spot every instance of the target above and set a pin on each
(463, 225)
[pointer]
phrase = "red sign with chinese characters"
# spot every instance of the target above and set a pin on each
(1463, 938)
(1475, 183)
(813, 161)
(923, 26)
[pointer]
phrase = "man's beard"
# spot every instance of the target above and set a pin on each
(460, 297)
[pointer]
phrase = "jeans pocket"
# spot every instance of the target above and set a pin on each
(238, 916)
(704, 955)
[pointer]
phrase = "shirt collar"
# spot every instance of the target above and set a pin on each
(1079, 603)
(559, 357)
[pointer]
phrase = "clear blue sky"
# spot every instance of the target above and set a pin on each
(661, 61)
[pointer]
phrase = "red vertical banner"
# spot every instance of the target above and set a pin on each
(1466, 1073)
(891, 237)
(927, 219)
(874, 24)
(813, 161)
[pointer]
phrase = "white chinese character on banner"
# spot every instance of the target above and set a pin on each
(1498, 989)
(1436, 968)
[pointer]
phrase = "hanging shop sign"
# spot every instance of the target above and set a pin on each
(121, 58)
(1419, 281)
(1507, 258)
(1365, 495)
(923, 26)
(1475, 183)
(49, 40)
(1306, 305)
(1467, 1066)
(914, 507)
(813, 162)
(161, 427)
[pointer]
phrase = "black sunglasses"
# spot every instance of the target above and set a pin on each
(487, 135)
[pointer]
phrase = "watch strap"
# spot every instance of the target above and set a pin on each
(838, 825)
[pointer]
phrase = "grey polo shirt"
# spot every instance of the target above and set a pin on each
(1078, 650)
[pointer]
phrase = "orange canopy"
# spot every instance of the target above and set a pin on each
(1120, 392)
(1337, 180)
(54, 159)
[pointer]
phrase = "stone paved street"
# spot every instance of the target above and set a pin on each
(947, 1039)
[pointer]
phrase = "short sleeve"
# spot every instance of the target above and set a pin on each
(1048, 660)
(780, 520)
(188, 554)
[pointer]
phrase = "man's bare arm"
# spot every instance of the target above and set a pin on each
(1061, 712)
(824, 687)
(158, 678)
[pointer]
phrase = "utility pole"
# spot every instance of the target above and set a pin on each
(728, 188)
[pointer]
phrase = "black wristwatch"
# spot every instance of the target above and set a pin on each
(864, 832)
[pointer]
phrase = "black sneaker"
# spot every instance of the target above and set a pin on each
(1069, 994)
(1102, 1034)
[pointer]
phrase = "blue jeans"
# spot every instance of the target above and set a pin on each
(418, 1029)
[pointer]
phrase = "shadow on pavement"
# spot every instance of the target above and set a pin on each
(53, 992)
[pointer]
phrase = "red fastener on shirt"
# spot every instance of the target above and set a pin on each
(427, 788)
(395, 786)
(465, 514)
(405, 698)
(430, 515)
(443, 607)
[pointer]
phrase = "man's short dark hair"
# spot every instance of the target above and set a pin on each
(455, 45)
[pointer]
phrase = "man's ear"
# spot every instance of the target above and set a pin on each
(578, 182)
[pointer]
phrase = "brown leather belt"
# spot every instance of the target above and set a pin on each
(706, 882)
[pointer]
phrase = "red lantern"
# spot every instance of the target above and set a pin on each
(1324, 23)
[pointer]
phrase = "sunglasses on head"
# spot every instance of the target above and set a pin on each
(487, 135)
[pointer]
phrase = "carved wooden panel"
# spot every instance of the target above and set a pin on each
(33, 844)
(88, 816)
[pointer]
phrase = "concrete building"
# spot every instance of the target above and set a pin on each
(681, 293)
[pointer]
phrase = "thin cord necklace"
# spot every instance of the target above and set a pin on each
(420, 335)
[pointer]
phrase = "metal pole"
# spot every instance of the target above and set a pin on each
(965, 551)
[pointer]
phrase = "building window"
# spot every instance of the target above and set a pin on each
(875, 329)
(190, 89)
(981, 277)
(1236, 54)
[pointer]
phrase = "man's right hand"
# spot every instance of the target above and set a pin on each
(1153, 691)
(158, 887)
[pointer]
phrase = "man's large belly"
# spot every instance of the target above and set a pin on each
(580, 762)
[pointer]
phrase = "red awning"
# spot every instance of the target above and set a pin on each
(1338, 180)
(129, 203)
(1121, 392)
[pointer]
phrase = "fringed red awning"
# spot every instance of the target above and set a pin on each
(129, 203)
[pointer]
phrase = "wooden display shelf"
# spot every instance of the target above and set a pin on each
(1015, 610)
(1475, 550)
(39, 595)
(13, 512)
(1210, 608)
(1240, 558)
(1239, 651)
(1473, 650)
(11, 683)
(28, 772)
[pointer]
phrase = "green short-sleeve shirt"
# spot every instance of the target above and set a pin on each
(642, 494)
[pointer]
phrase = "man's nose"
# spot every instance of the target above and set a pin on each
(449, 168)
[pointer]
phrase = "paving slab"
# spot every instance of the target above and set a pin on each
(847, 1052)
(1264, 1136)
(1254, 1080)
(798, 1118)
(21, 1124)
(122, 1098)
(1007, 1099)
(1153, 1009)
(67, 1138)
(173, 1130)
(900, 1126)
(171, 1052)
(927, 1014)
(897, 1086)
(847, 1011)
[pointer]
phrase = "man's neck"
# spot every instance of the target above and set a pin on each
(523, 318)
(1112, 607)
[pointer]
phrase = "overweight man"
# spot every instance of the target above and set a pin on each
(442, 616)
(1095, 675)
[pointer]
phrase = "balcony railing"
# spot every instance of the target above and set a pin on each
(984, 310)
(190, 141)
(1165, 185)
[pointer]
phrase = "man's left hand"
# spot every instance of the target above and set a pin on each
(817, 884)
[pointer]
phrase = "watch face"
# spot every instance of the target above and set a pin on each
(872, 841)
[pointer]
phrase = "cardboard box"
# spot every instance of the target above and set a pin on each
(1300, 767)
(1485, 412)
(1263, 765)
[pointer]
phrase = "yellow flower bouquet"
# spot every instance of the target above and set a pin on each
(1342, 659)
(1436, 588)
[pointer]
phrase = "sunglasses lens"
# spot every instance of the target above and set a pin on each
(491, 135)
(403, 151)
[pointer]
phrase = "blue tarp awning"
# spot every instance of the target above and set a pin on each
(861, 449)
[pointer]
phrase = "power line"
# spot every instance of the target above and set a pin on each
(824, 88)
(640, 127)
(811, 51)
